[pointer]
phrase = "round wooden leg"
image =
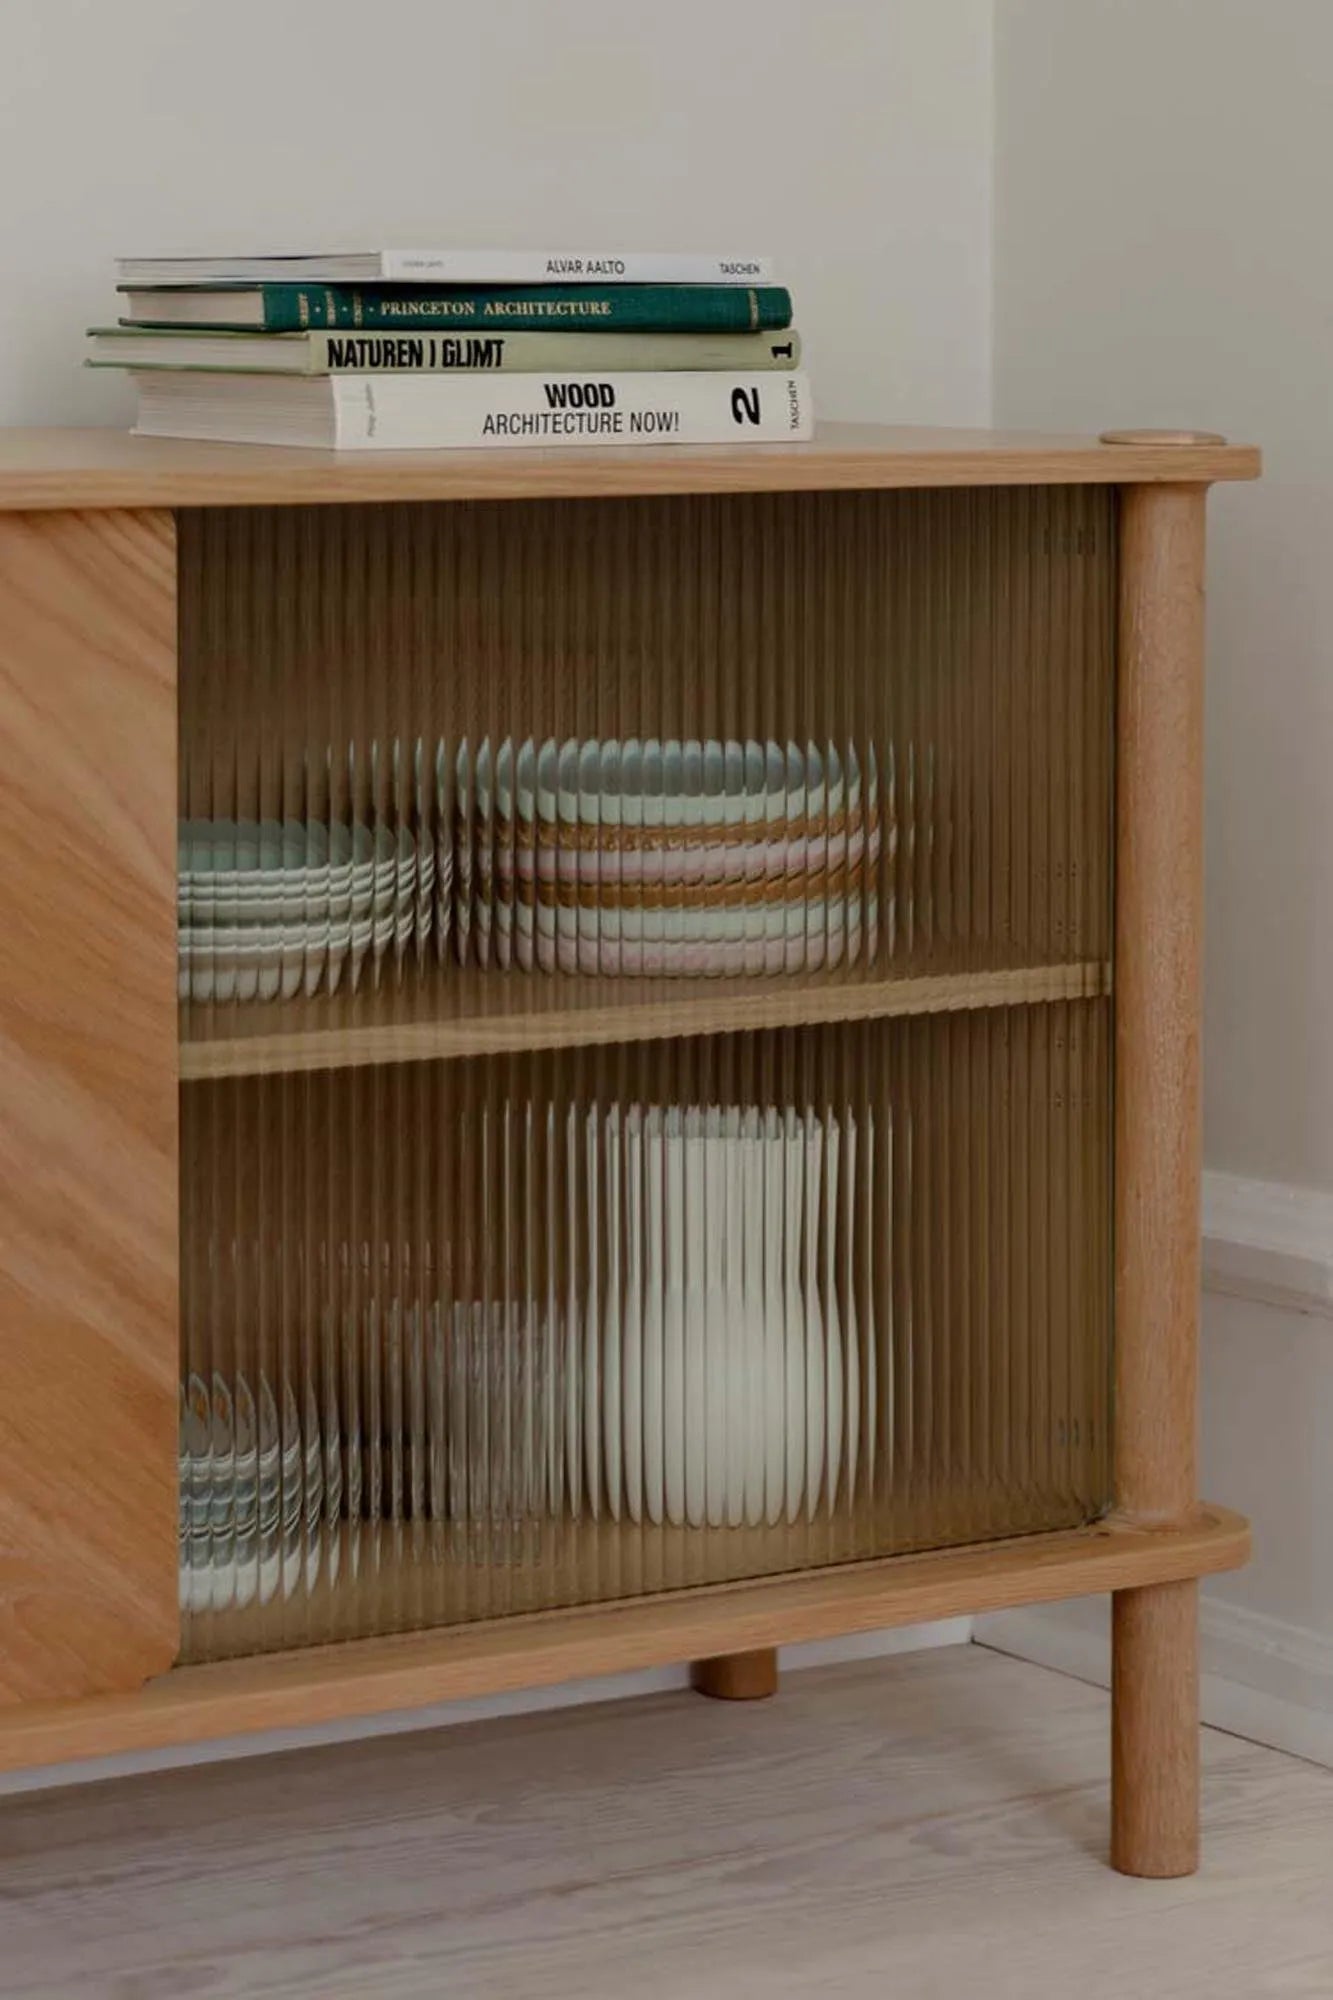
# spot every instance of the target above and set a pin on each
(737, 1676)
(1158, 1143)
(1155, 1730)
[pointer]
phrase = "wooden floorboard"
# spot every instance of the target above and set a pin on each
(928, 1826)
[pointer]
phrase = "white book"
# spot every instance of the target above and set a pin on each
(484, 352)
(433, 412)
(453, 267)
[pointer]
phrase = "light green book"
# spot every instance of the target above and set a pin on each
(327, 353)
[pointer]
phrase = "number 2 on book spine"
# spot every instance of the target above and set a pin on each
(745, 406)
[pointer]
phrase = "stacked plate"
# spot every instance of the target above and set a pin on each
(274, 909)
(661, 858)
(637, 858)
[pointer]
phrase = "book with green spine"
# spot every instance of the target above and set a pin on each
(437, 308)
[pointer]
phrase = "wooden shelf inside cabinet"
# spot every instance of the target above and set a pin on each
(473, 1013)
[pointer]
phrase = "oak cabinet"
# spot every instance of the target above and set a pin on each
(599, 1066)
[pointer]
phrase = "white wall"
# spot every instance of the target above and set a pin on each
(1163, 177)
(851, 140)
(1163, 173)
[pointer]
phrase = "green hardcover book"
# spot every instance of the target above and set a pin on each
(437, 308)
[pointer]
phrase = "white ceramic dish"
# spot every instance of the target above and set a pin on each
(687, 857)
(640, 1402)
(612, 1400)
(655, 1262)
(606, 883)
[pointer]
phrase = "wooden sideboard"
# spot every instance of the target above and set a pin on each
(736, 1183)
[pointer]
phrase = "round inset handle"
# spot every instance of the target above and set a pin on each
(1161, 437)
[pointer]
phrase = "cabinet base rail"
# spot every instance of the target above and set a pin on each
(415, 1670)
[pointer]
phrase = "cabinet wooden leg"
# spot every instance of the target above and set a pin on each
(1158, 1149)
(1155, 1730)
(737, 1676)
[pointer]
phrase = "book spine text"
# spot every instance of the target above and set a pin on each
(648, 408)
(528, 353)
(538, 308)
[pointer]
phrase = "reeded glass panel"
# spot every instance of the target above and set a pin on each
(472, 1337)
(644, 974)
(831, 737)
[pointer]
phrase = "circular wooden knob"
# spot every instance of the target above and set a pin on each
(1162, 437)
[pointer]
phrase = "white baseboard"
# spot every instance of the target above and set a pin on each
(1267, 1380)
(1262, 1678)
(570, 1694)
(1267, 1241)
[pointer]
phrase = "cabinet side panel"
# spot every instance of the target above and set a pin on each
(88, 1156)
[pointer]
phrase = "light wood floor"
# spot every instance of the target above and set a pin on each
(913, 1829)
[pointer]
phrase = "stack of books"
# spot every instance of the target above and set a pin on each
(395, 349)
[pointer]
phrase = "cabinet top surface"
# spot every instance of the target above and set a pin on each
(108, 468)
